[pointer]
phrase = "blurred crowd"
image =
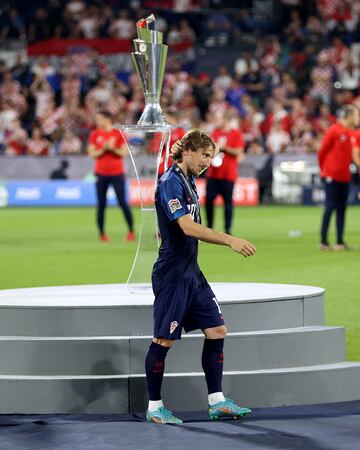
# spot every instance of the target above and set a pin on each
(282, 95)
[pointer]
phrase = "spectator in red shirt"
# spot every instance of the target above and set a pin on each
(222, 173)
(338, 148)
(107, 146)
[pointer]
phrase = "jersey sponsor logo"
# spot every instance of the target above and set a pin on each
(343, 137)
(174, 205)
(173, 326)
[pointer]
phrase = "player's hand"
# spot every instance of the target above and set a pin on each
(243, 247)
(175, 148)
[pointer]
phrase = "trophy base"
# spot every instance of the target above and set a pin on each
(152, 115)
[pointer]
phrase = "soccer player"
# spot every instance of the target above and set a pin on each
(223, 172)
(107, 146)
(338, 148)
(183, 298)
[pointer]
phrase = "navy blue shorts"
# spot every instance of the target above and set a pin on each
(188, 303)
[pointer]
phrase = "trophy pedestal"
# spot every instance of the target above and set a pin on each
(150, 140)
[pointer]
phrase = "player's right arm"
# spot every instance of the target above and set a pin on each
(171, 196)
(205, 234)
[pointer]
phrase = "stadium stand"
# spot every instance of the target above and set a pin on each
(61, 61)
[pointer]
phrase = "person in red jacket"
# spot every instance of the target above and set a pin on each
(107, 146)
(222, 173)
(337, 149)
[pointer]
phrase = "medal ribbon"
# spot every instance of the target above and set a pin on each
(191, 190)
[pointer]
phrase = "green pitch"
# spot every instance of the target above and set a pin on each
(48, 247)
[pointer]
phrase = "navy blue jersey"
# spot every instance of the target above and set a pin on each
(176, 196)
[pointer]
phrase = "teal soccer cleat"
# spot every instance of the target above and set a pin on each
(229, 409)
(162, 416)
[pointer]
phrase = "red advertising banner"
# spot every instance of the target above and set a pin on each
(61, 47)
(246, 192)
(105, 46)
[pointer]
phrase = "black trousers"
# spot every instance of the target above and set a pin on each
(118, 183)
(224, 188)
(336, 195)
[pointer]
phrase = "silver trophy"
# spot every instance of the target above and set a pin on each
(149, 59)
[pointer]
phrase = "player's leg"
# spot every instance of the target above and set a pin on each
(341, 202)
(118, 183)
(227, 189)
(211, 193)
(102, 184)
(212, 362)
(330, 198)
(154, 368)
(169, 309)
(205, 313)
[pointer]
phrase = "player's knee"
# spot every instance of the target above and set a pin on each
(216, 332)
(164, 342)
(222, 332)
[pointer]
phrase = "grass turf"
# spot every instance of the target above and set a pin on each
(48, 247)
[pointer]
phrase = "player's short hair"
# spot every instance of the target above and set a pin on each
(193, 140)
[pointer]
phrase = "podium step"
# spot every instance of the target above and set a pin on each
(117, 355)
(256, 388)
(181, 391)
(113, 310)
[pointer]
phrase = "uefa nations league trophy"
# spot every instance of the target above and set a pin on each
(148, 142)
(149, 59)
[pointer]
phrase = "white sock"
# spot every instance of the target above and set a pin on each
(155, 404)
(216, 397)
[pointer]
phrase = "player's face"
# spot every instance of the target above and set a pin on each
(200, 160)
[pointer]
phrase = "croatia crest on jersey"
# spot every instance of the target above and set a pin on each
(173, 326)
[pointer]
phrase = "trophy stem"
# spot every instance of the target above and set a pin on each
(152, 114)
